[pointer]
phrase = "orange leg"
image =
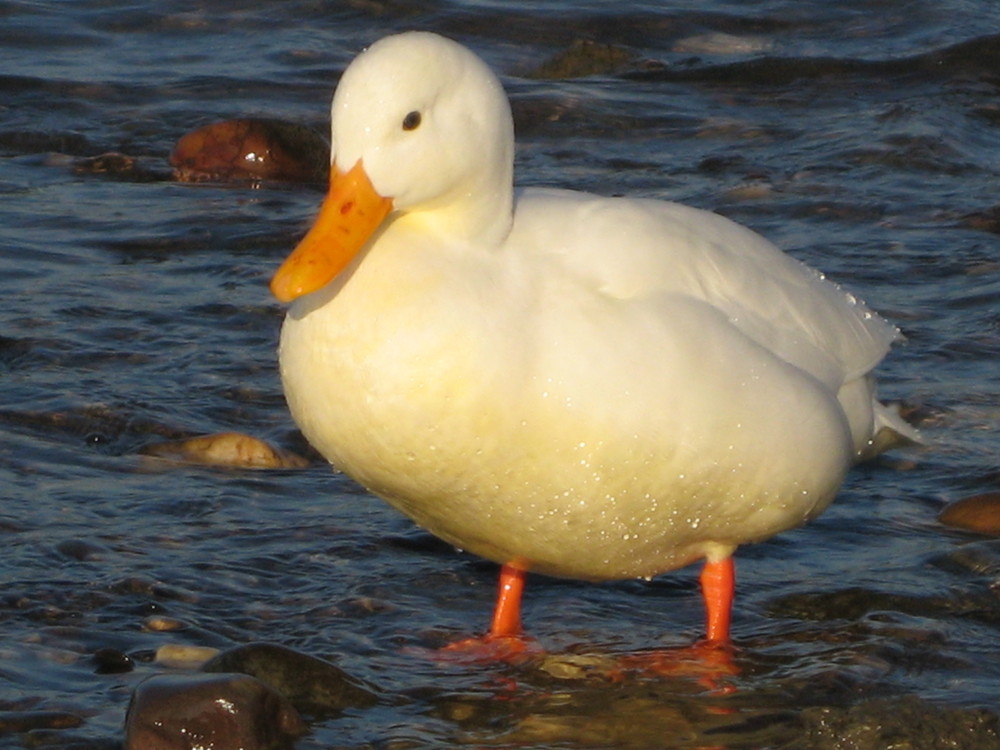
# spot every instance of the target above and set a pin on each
(718, 584)
(505, 640)
(507, 614)
(709, 661)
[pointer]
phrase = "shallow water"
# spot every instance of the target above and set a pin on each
(863, 138)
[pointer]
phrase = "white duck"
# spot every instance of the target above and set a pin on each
(596, 388)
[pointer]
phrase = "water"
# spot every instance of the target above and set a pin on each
(858, 136)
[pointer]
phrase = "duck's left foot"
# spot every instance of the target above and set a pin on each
(505, 641)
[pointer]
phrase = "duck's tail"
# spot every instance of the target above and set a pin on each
(890, 431)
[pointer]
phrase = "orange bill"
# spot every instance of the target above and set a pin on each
(350, 214)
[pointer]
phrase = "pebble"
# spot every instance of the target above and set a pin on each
(162, 623)
(183, 656)
(719, 43)
(576, 666)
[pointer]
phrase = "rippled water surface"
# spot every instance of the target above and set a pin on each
(864, 138)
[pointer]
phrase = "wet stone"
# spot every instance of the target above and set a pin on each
(986, 221)
(629, 722)
(218, 711)
(112, 661)
(81, 550)
(12, 722)
(980, 558)
(163, 623)
(233, 449)
(312, 685)
(717, 43)
(135, 585)
(977, 513)
(183, 656)
(251, 149)
(576, 666)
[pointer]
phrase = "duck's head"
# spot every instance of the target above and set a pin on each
(419, 126)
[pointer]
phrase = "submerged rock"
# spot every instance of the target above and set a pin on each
(719, 43)
(584, 58)
(12, 722)
(251, 149)
(624, 723)
(226, 449)
(218, 711)
(119, 166)
(987, 220)
(980, 558)
(978, 513)
(82, 550)
(312, 685)
(908, 722)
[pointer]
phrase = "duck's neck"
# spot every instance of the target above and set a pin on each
(480, 213)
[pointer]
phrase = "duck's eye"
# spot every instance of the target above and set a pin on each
(411, 121)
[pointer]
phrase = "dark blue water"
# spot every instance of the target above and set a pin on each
(862, 137)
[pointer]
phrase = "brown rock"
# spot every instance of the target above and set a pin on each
(218, 711)
(226, 449)
(251, 149)
(979, 513)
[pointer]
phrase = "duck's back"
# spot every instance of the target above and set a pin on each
(632, 248)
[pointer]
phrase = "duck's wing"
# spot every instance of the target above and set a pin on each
(628, 248)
